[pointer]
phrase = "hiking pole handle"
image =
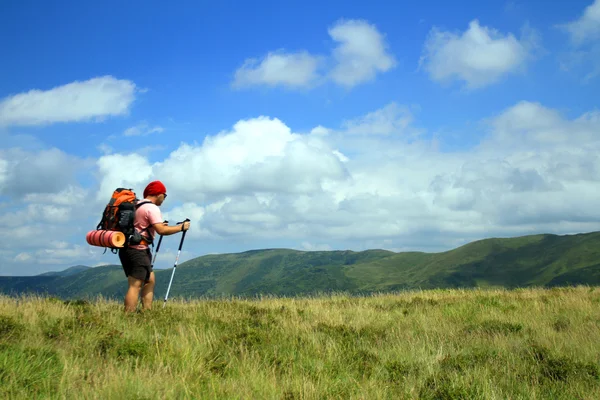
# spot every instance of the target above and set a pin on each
(184, 232)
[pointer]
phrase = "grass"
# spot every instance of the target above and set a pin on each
(438, 344)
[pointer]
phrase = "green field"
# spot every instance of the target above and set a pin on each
(535, 343)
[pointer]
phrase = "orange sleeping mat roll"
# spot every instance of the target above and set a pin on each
(102, 238)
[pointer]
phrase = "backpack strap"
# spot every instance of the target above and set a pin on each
(146, 238)
(141, 203)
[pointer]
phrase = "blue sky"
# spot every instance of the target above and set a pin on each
(328, 125)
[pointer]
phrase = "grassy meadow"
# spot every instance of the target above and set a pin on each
(435, 344)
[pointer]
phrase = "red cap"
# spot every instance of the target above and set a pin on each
(154, 189)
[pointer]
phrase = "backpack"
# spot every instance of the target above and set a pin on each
(119, 215)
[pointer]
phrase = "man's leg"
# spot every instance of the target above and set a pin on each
(131, 298)
(148, 292)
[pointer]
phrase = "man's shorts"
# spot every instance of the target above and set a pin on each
(136, 263)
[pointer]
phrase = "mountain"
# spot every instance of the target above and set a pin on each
(536, 260)
(67, 272)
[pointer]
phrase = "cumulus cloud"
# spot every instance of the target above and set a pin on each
(538, 170)
(360, 54)
(535, 171)
(391, 119)
(39, 213)
(122, 170)
(258, 155)
(57, 253)
(586, 28)
(278, 68)
(70, 196)
(93, 99)
(582, 63)
(4, 172)
(260, 184)
(531, 124)
(37, 172)
(583, 57)
(480, 56)
(36, 234)
(20, 140)
(41, 234)
(43, 201)
(142, 129)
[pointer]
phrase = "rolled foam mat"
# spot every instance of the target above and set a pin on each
(102, 238)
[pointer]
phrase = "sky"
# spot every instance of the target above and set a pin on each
(407, 126)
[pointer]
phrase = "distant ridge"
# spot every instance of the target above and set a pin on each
(543, 260)
(67, 272)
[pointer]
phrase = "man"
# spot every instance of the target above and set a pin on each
(137, 259)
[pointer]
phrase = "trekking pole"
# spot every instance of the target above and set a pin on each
(158, 246)
(176, 260)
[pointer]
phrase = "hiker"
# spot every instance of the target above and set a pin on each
(137, 259)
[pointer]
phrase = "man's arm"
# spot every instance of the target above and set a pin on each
(165, 230)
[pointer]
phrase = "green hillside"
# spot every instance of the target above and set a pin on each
(88, 282)
(537, 260)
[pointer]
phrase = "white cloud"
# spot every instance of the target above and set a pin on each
(391, 119)
(195, 213)
(70, 196)
(315, 247)
(43, 198)
(37, 234)
(105, 148)
(278, 68)
(537, 171)
(78, 101)
(261, 181)
(319, 131)
(142, 129)
(583, 57)
(531, 124)
(54, 214)
(56, 253)
(4, 173)
(480, 56)
(20, 140)
(23, 257)
(587, 27)
(260, 184)
(258, 155)
(46, 171)
(118, 170)
(37, 213)
(583, 64)
(361, 54)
